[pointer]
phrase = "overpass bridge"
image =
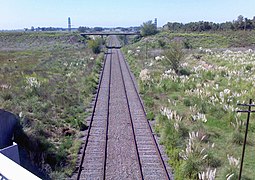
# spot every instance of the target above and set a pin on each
(108, 33)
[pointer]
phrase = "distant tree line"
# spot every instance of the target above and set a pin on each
(45, 29)
(87, 29)
(240, 23)
(83, 29)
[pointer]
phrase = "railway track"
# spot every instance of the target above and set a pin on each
(119, 143)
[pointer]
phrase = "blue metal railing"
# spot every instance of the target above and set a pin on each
(2, 177)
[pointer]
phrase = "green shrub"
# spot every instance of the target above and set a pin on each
(170, 86)
(223, 73)
(150, 115)
(169, 136)
(237, 137)
(6, 95)
(248, 67)
(191, 167)
(161, 43)
(185, 72)
(213, 160)
(205, 107)
(216, 111)
(187, 44)
(136, 39)
(209, 75)
(187, 102)
(148, 101)
(183, 131)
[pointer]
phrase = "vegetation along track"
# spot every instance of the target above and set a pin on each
(120, 143)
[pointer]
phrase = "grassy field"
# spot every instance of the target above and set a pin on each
(48, 79)
(195, 112)
(222, 39)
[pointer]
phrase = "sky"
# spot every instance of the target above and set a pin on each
(19, 14)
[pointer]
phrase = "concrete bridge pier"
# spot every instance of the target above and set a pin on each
(125, 40)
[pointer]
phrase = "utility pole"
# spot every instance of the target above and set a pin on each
(156, 22)
(69, 24)
(249, 111)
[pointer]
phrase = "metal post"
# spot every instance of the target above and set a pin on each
(245, 137)
(146, 50)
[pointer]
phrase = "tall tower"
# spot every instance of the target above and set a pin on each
(156, 22)
(69, 24)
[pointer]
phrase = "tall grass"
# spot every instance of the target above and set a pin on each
(205, 99)
(50, 88)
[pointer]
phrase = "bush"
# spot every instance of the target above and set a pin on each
(170, 86)
(213, 160)
(185, 72)
(183, 130)
(191, 167)
(237, 138)
(161, 43)
(150, 115)
(187, 102)
(187, 44)
(169, 136)
(136, 39)
(248, 67)
(148, 101)
(6, 96)
(209, 75)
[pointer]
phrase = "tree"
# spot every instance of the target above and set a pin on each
(174, 26)
(95, 45)
(253, 21)
(226, 26)
(239, 23)
(148, 28)
(83, 29)
(99, 29)
(174, 55)
(248, 24)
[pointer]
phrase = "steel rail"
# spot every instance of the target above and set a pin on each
(149, 126)
(108, 113)
(131, 119)
(91, 121)
(119, 56)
